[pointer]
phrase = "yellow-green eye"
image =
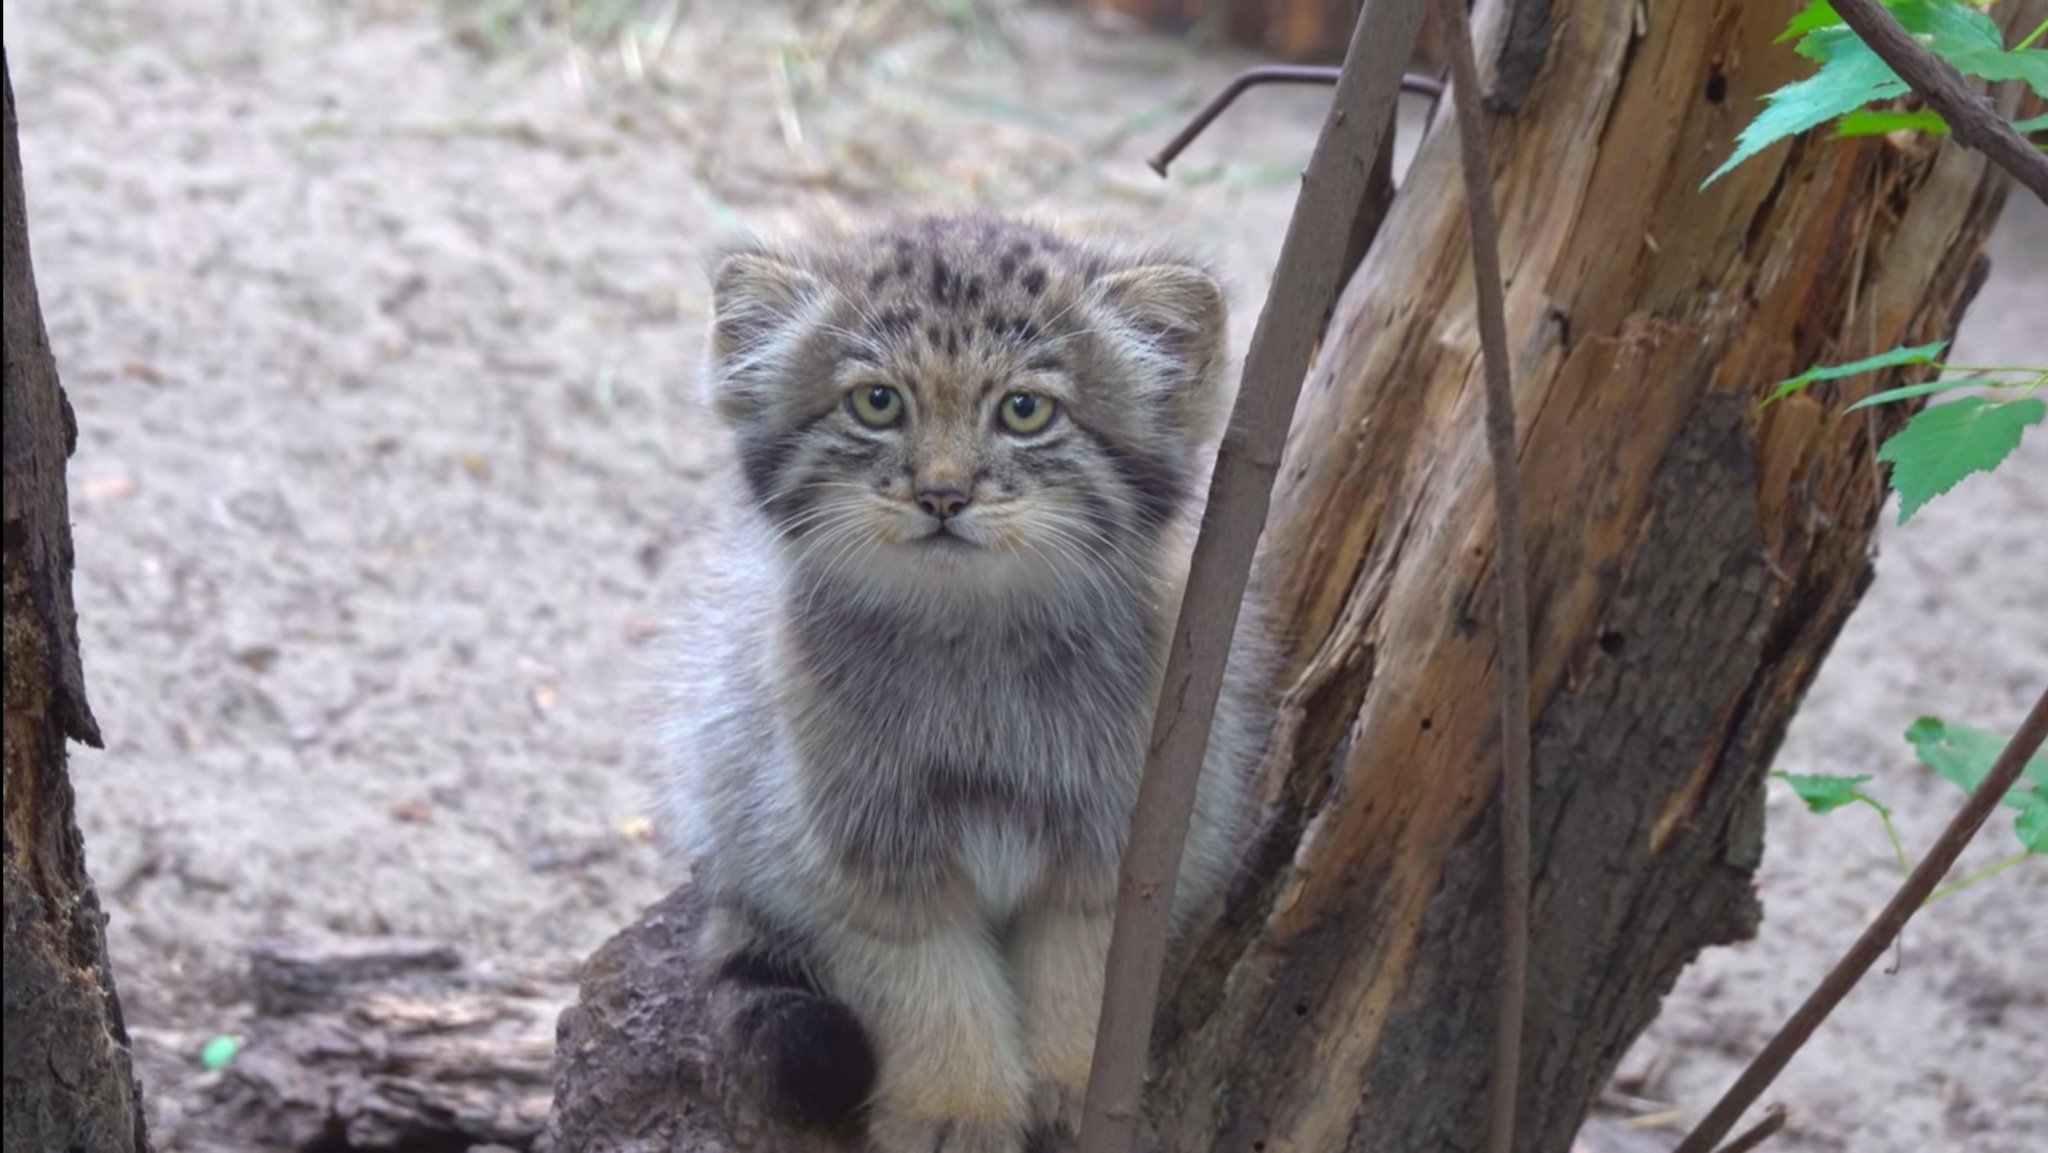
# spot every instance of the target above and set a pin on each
(1025, 412)
(877, 405)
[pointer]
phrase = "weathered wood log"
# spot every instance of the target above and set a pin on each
(1692, 559)
(69, 1082)
(375, 1045)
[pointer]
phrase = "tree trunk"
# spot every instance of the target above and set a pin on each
(69, 1083)
(1692, 559)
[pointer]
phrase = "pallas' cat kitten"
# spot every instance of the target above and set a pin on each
(912, 706)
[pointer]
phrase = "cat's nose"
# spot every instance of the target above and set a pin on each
(943, 500)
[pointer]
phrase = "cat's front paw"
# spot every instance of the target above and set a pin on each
(1056, 1108)
(895, 1133)
(803, 1056)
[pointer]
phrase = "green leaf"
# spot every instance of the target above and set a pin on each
(1962, 755)
(1817, 14)
(1910, 391)
(1970, 39)
(1893, 358)
(1864, 122)
(1942, 445)
(2032, 825)
(1851, 76)
(1824, 793)
(2032, 124)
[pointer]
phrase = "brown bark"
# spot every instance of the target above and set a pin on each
(69, 1083)
(1692, 558)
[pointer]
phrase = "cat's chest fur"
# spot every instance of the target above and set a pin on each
(995, 745)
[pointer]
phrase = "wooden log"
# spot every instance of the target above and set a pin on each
(378, 1045)
(70, 1080)
(1692, 559)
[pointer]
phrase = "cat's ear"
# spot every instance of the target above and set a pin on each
(1176, 326)
(758, 299)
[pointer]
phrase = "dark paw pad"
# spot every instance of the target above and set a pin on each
(806, 1057)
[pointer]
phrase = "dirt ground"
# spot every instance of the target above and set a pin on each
(381, 324)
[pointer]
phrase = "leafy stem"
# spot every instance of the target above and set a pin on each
(1987, 871)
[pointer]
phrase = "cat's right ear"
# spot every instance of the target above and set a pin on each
(758, 301)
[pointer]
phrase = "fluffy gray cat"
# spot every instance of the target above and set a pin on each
(909, 714)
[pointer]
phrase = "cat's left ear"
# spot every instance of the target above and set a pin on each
(758, 299)
(1176, 327)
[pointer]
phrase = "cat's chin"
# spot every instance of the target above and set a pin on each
(944, 569)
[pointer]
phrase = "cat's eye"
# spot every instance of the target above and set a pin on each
(1025, 412)
(876, 405)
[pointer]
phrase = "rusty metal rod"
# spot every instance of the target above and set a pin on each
(1414, 82)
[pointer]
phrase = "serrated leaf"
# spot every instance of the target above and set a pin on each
(1850, 78)
(1892, 395)
(1962, 755)
(1942, 445)
(1864, 122)
(1892, 358)
(1823, 792)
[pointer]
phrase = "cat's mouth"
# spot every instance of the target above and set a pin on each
(943, 539)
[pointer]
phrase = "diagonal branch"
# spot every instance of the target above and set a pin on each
(1511, 577)
(1877, 938)
(1937, 81)
(1305, 282)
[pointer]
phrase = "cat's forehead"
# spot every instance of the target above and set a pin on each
(961, 286)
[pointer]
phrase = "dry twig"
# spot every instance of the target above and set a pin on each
(1757, 1134)
(1511, 577)
(1936, 80)
(1304, 284)
(1251, 78)
(1876, 939)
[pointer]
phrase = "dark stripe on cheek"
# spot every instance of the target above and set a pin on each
(1158, 485)
(765, 456)
(763, 459)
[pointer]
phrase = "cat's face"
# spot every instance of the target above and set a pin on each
(967, 404)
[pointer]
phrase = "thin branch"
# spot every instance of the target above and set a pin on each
(1877, 938)
(1511, 578)
(1305, 281)
(1267, 74)
(1774, 1120)
(1969, 116)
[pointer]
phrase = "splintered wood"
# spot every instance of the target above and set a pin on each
(371, 1045)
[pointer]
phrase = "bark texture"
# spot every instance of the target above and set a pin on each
(384, 1045)
(1692, 560)
(69, 1082)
